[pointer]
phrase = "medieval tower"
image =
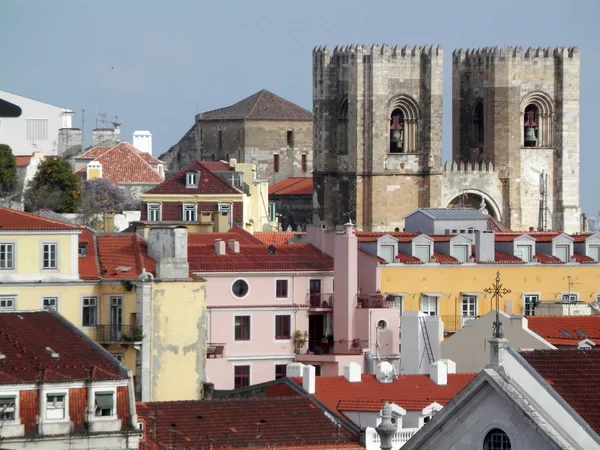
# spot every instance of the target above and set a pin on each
(378, 135)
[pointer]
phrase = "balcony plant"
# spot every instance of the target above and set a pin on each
(300, 339)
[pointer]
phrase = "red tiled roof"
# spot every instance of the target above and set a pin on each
(150, 159)
(236, 233)
(256, 258)
(124, 256)
(93, 152)
(574, 376)
(506, 237)
(549, 328)
(581, 237)
(24, 337)
(543, 236)
(376, 258)
(88, 264)
(542, 258)
(372, 236)
(413, 392)
(444, 259)
(11, 219)
(123, 164)
(240, 423)
(209, 183)
(406, 259)
(217, 166)
(442, 237)
(22, 161)
(276, 237)
(293, 186)
(582, 259)
(245, 306)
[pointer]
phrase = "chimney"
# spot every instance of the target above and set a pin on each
(308, 379)
(142, 140)
(109, 222)
(69, 142)
(294, 370)
(484, 245)
(450, 366)
(438, 372)
(168, 246)
(352, 372)
(105, 137)
(93, 170)
(384, 372)
(233, 245)
(221, 222)
(220, 247)
(386, 429)
(209, 390)
(345, 270)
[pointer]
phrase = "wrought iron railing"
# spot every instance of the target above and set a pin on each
(320, 300)
(124, 333)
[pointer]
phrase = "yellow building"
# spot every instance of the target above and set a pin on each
(134, 297)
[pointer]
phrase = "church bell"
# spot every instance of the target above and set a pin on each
(397, 136)
(530, 135)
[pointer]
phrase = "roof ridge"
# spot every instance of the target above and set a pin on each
(260, 94)
(42, 218)
(82, 155)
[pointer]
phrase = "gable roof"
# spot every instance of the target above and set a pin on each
(451, 213)
(549, 327)
(25, 337)
(293, 186)
(209, 183)
(124, 256)
(237, 233)
(93, 152)
(13, 220)
(124, 164)
(263, 105)
(242, 423)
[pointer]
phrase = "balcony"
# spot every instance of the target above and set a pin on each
(110, 334)
(320, 301)
(401, 437)
(215, 350)
(372, 301)
(320, 347)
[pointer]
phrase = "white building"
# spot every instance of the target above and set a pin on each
(29, 126)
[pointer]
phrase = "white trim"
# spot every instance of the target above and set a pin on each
(289, 284)
(8, 232)
(152, 204)
(51, 296)
(81, 305)
(189, 207)
(576, 294)
(242, 341)
(231, 288)
(529, 294)
(74, 257)
(96, 390)
(12, 297)
(56, 257)
(259, 357)
(313, 274)
(17, 420)
(14, 257)
(49, 390)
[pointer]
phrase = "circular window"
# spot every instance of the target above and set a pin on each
(496, 439)
(382, 325)
(239, 288)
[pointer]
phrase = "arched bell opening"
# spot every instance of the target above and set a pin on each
(475, 201)
(397, 131)
(531, 126)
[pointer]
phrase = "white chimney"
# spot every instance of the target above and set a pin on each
(220, 247)
(384, 372)
(233, 245)
(352, 372)
(142, 140)
(450, 365)
(308, 379)
(484, 245)
(438, 372)
(294, 370)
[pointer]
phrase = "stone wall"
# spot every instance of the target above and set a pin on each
(293, 210)
(181, 154)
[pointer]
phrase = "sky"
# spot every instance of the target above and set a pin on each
(155, 64)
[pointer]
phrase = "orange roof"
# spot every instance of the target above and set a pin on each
(88, 264)
(93, 152)
(236, 233)
(11, 219)
(411, 392)
(293, 186)
(277, 237)
(575, 328)
(124, 256)
(372, 236)
(124, 164)
(22, 161)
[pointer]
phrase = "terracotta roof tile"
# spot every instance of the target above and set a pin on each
(123, 164)
(294, 422)
(414, 391)
(506, 237)
(93, 152)
(256, 258)
(209, 183)
(549, 327)
(581, 237)
(406, 259)
(293, 186)
(372, 236)
(88, 264)
(543, 236)
(24, 337)
(11, 219)
(124, 256)
(442, 237)
(542, 258)
(574, 376)
(22, 161)
(582, 259)
(444, 259)
(277, 237)
(500, 258)
(263, 105)
(236, 233)
(376, 258)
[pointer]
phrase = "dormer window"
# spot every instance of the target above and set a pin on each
(191, 179)
(523, 252)
(562, 252)
(81, 249)
(423, 253)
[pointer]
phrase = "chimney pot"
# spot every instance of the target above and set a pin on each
(220, 247)
(438, 372)
(308, 379)
(294, 370)
(233, 245)
(352, 372)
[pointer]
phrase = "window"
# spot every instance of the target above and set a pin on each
(281, 288)
(469, 307)
(89, 312)
(276, 163)
(154, 212)
(280, 371)
(272, 212)
(7, 304)
(593, 252)
(7, 408)
(397, 131)
(429, 305)
(478, 123)
(50, 303)
(118, 356)
(240, 288)
(531, 302)
(562, 252)
(81, 249)
(382, 325)
(37, 129)
(242, 328)
(241, 377)
(49, 256)
(7, 256)
(387, 252)
(570, 298)
(55, 406)
(530, 125)
(224, 207)
(496, 439)
(461, 252)
(191, 179)
(304, 164)
(423, 253)
(104, 403)
(283, 327)
(523, 252)
(220, 138)
(290, 139)
(189, 213)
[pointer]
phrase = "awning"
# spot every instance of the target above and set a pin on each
(433, 294)
(398, 294)
(476, 294)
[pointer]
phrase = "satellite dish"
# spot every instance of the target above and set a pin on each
(272, 249)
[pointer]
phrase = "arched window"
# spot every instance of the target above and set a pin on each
(537, 115)
(397, 131)
(496, 439)
(478, 123)
(531, 126)
(403, 125)
(342, 129)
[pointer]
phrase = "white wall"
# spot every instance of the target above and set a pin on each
(413, 352)
(13, 131)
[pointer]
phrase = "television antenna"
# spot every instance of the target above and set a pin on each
(543, 207)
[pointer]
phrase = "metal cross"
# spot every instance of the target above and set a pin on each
(497, 292)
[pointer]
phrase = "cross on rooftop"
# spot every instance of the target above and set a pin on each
(497, 290)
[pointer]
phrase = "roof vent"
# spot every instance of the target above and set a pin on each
(272, 250)
(52, 352)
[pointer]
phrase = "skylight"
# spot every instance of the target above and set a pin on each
(565, 333)
(581, 333)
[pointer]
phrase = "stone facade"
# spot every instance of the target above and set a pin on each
(378, 134)
(183, 153)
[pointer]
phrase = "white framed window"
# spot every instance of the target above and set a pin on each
(118, 356)
(153, 212)
(423, 253)
(7, 256)
(530, 301)
(429, 305)
(189, 212)
(8, 408)
(387, 252)
(562, 252)
(104, 403)
(461, 252)
(224, 207)
(81, 249)
(272, 209)
(569, 297)
(191, 179)
(56, 406)
(523, 252)
(50, 303)
(593, 252)
(50, 256)
(89, 311)
(8, 304)
(468, 307)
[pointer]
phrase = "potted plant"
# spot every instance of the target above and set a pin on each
(300, 341)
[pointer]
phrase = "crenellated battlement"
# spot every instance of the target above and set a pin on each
(384, 50)
(461, 166)
(477, 55)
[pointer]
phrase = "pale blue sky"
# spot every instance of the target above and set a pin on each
(172, 58)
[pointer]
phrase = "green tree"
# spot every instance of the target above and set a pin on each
(54, 187)
(8, 170)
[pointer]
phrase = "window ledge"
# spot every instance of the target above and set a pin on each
(12, 428)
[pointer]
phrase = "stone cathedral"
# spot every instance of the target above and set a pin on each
(377, 128)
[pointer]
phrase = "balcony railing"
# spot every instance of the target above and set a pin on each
(320, 300)
(215, 350)
(372, 301)
(124, 333)
(401, 437)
